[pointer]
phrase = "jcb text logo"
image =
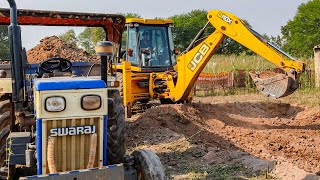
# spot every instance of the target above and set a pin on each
(225, 18)
(204, 49)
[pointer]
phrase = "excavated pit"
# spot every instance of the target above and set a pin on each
(271, 132)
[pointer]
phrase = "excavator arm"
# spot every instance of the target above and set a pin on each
(191, 63)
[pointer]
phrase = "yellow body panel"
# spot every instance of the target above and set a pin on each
(131, 91)
(5, 85)
(149, 21)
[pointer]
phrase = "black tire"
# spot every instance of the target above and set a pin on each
(166, 101)
(5, 127)
(148, 165)
(116, 130)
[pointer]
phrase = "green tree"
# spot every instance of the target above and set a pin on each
(69, 37)
(91, 35)
(89, 38)
(302, 33)
(131, 15)
(189, 24)
(4, 45)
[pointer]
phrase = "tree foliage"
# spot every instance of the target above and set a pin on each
(4, 45)
(91, 35)
(189, 24)
(131, 15)
(89, 38)
(302, 33)
(69, 37)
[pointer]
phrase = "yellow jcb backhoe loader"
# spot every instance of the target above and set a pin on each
(151, 69)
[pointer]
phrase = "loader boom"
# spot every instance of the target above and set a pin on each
(190, 64)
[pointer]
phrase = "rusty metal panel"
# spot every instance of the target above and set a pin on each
(112, 23)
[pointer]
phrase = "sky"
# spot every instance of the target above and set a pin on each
(265, 16)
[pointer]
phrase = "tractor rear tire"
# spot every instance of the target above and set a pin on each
(5, 128)
(116, 130)
(148, 165)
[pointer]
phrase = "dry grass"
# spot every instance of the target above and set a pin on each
(222, 63)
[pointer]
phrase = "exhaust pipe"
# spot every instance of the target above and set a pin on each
(16, 57)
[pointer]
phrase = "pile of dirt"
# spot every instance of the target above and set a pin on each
(271, 131)
(53, 46)
(153, 125)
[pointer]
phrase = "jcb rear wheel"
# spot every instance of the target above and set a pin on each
(116, 130)
(148, 165)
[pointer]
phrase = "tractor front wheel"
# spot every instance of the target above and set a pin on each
(148, 165)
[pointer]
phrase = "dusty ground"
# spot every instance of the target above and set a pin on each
(233, 137)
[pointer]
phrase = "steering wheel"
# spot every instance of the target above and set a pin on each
(55, 64)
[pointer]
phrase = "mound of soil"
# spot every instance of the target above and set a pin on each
(53, 46)
(272, 131)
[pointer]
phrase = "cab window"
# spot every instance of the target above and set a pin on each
(156, 40)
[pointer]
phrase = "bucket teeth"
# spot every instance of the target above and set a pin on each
(275, 87)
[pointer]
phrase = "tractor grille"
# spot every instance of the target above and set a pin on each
(71, 152)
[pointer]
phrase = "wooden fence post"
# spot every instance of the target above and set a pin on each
(316, 50)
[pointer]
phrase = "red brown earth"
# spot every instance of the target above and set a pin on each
(218, 130)
(53, 46)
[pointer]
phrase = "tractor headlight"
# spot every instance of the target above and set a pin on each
(55, 104)
(91, 102)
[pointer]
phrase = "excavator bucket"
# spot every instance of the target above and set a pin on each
(275, 86)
